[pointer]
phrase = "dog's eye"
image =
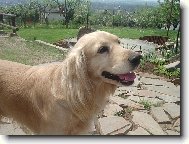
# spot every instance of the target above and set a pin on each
(103, 49)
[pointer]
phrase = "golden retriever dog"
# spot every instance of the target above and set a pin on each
(63, 98)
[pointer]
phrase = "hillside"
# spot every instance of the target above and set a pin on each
(101, 4)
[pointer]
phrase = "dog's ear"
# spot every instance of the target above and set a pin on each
(76, 83)
(81, 66)
(77, 64)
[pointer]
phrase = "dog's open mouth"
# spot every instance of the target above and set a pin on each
(125, 79)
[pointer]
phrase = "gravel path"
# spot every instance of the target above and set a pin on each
(146, 46)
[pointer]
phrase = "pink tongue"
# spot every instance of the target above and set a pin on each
(128, 76)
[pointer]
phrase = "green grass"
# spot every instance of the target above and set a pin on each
(47, 34)
(147, 105)
(26, 52)
(135, 33)
(54, 34)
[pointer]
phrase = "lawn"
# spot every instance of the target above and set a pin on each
(54, 34)
(47, 34)
(26, 52)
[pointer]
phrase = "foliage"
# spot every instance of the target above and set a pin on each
(165, 14)
(120, 113)
(78, 12)
(159, 63)
(147, 104)
(81, 12)
(162, 70)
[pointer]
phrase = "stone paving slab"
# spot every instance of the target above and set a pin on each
(126, 103)
(177, 129)
(152, 101)
(159, 114)
(156, 82)
(172, 109)
(145, 93)
(138, 131)
(147, 75)
(171, 132)
(112, 124)
(147, 122)
(167, 91)
(128, 89)
(118, 100)
(169, 99)
(122, 131)
(112, 109)
(177, 123)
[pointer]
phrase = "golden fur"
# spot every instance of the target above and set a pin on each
(63, 98)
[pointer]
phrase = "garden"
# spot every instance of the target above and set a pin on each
(54, 20)
(42, 31)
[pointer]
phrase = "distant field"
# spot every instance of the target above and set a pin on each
(54, 34)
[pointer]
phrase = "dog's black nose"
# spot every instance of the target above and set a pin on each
(135, 59)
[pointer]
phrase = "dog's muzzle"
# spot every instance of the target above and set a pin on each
(126, 78)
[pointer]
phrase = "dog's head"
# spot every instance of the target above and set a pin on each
(106, 60)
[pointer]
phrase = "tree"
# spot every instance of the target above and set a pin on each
(67, 9)
(170, 10)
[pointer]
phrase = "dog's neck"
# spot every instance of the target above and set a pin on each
(84, 96)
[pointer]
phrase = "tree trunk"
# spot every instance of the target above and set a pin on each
(170, 16)
(178, 33)
(66, 18)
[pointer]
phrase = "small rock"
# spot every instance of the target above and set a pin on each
(112, 109)
(159, 114)
(170, 132)
(173, 65)
(113, 125)
(172, 109)
(146, 121)
(138, 131)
